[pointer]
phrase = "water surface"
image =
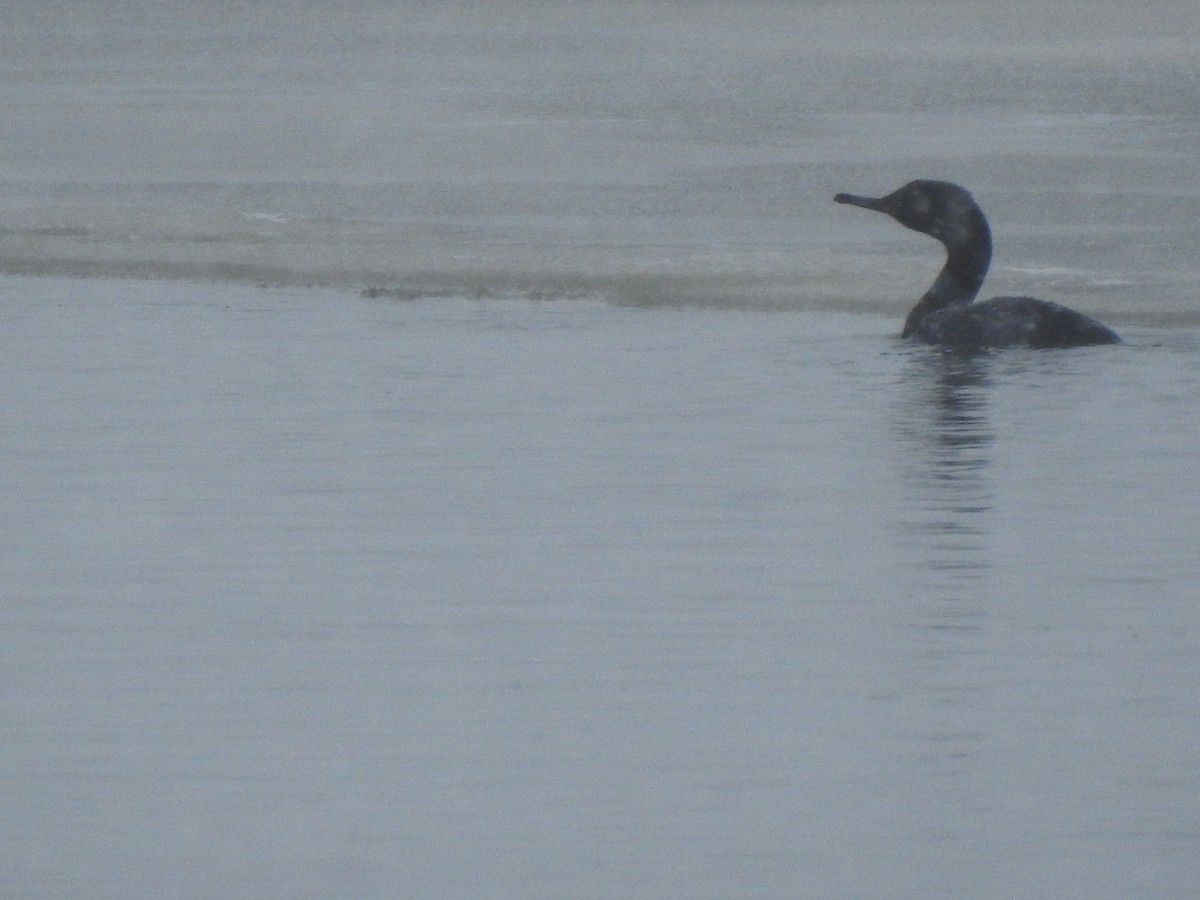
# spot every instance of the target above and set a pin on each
(462, 451)
(312, 594)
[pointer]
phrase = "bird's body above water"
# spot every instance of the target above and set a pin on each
(1010, 322)
(946, 315)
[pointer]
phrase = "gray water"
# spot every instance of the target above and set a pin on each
(650, 153)
(472, 457)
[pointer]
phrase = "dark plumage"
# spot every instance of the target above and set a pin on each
(946, 315)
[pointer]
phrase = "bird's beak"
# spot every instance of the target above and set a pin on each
(875, 203)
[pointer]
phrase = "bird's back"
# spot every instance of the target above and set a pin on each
(1011, 322)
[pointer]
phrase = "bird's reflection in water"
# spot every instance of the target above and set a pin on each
(947, 441)
(943, 601)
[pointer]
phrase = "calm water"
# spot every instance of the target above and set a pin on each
(586, 531)
(654, 153)
(316, 595)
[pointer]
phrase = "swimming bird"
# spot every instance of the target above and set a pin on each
(946, 315)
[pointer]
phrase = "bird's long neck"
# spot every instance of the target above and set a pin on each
(968, 255)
